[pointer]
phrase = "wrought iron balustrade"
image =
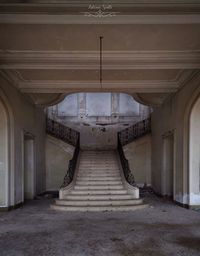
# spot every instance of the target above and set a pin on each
(72, 165)
(126, 136)
(69, 136)
(125, 165)
(62, 132)
(136, 131)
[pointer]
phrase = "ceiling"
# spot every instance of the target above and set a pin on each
(49, 49)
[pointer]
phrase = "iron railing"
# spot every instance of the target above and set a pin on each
(126, 136)
(69, 136)
(72, 165)
(62, 132)
(125, 165)
(136, 131)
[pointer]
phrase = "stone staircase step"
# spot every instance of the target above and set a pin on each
(99, 178)
(99, 202)
(93, 183)
(101, 162)
(98, 175)
(99, 168)
(97, 197)
(98, 187)
(90, 174)
(98, 208)
(99, 192)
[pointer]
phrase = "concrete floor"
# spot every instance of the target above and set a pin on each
(162, 229)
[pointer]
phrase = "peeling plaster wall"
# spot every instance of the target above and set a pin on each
(27, 118)
(99, 138)
(58, 154)
(171, 117)
(138, 153)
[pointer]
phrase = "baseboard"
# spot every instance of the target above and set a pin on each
(194, 207)
(9, 208)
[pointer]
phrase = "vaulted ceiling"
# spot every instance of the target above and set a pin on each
(51, 48)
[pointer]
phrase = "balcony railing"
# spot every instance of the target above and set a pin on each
(125, 165)
(136, 131)
(126, 136)
(69, 136)
(72, 166)
(62, 132)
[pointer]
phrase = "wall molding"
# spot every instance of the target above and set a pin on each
(113, 60)
(122, 86)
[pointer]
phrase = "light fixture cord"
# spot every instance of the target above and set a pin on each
(101, 71)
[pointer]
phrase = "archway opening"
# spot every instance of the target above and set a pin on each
(194, 155)
(98, 116)
(3, 157)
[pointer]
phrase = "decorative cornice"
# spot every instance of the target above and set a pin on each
(90, 60)
(74, 7)
(67, 86)
(122, 86)
(44, 100)
(151, 99)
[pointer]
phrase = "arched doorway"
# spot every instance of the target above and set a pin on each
(194, 154)
(3, 156)
(7, 183)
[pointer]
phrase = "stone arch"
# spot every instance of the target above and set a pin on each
(194, 154)
(191, 182)
(6, 153)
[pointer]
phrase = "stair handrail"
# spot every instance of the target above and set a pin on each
(72, 165)
(125, 164)
(61, 132)
(69, 136)
(135, 131)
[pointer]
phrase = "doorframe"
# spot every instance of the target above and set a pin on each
(171, 133)
(24, 133)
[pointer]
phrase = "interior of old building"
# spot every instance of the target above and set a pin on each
(98, 102)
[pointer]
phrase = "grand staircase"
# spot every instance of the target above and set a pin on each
(98, 185)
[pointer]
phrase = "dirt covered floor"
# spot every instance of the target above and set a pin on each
(161, 229)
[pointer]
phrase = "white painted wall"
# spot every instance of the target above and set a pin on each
(98, 138)
(138, 153)
(168, 165)
(58, 154)
(174, 116)
(98, 104)
(23, 116)
(29, 168)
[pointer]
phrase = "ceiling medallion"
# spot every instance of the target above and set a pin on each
(100, 11)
